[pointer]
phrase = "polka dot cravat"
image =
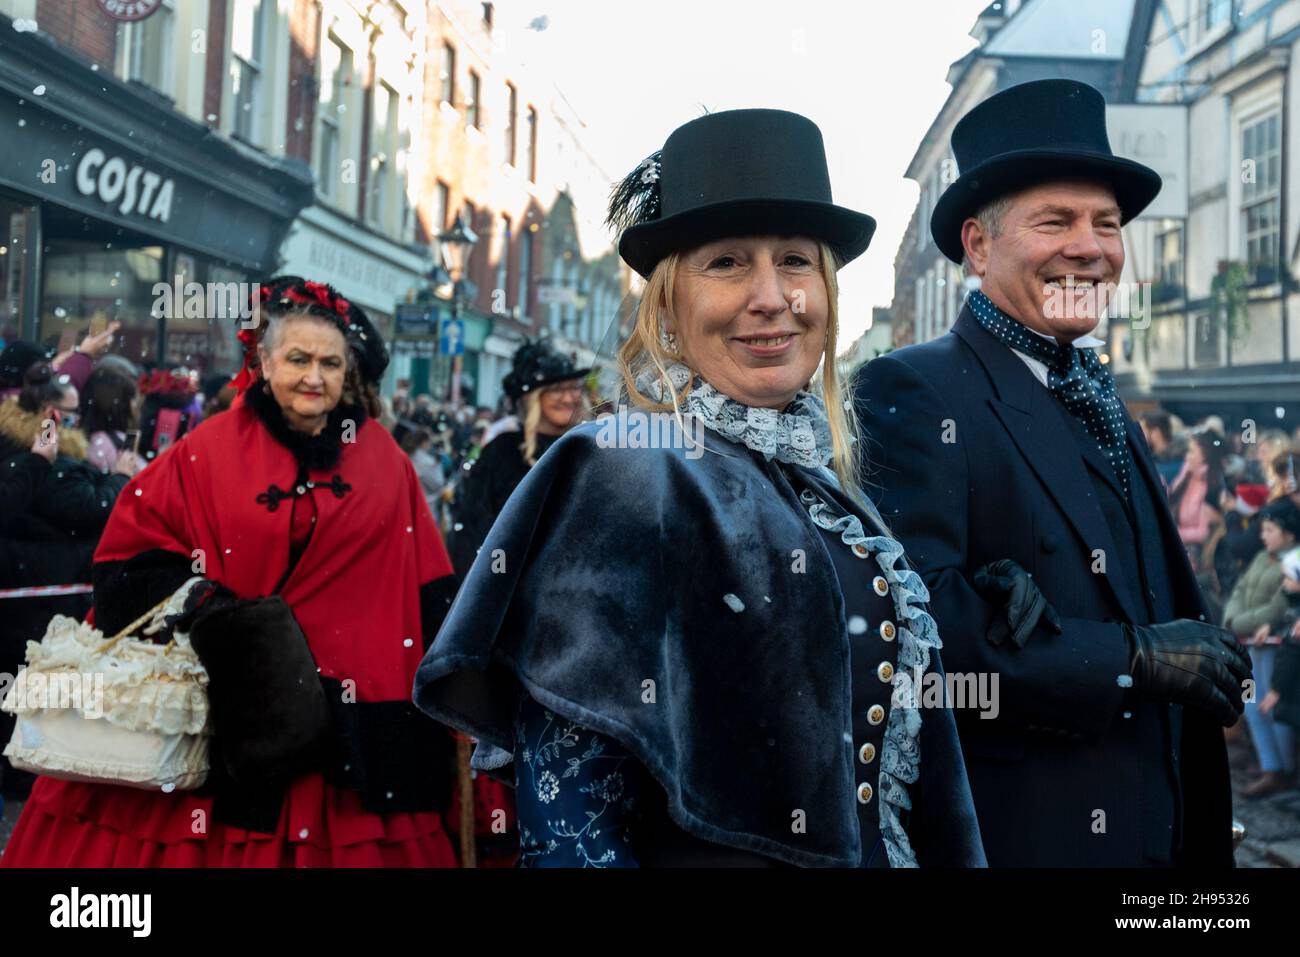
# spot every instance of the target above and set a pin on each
(1075, 376)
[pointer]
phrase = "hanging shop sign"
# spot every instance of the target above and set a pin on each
(129, 10)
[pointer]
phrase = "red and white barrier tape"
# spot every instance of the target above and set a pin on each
(46, 591)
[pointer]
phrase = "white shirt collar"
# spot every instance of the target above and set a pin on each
(1085, 341)
(1039, 368)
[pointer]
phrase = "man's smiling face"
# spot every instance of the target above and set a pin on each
(1047, 235)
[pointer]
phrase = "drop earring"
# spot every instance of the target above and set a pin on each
(669, 341)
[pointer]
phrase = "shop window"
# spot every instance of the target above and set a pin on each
(206, 342)
(87, 283)
(15, 222)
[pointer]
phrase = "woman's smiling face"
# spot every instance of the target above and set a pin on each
(751, 316)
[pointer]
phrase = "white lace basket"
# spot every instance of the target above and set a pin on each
(122, 711)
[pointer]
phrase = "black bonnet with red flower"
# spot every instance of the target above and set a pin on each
(293, 294)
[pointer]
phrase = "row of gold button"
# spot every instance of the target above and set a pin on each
(884, 671)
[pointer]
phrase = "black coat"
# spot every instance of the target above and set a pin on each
(48, 541)
(616, 569)
(483, 491)
(971, 460)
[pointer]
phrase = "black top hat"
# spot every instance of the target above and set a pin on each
(536, 365)
(736, 173)
(1030, 134)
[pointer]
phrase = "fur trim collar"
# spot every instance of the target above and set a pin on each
(21, 427)
(313, 452)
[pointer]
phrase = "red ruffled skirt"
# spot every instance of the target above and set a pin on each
(69, 824)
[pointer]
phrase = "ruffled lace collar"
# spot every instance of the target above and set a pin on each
(800, 434)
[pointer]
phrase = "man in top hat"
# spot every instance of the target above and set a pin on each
(1006, 463)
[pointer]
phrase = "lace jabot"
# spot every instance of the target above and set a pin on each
(799, 435)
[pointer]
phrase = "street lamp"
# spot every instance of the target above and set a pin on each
(457, 243)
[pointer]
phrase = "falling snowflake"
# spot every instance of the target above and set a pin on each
(734, 603)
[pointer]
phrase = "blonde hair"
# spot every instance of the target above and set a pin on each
(644, 350)
(530, 417)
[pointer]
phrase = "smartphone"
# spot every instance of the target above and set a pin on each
(133, 441)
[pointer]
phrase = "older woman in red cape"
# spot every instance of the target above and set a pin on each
(297, 491)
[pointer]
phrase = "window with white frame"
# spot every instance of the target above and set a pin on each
(447, 74)
(512, 120)
(438, 215)
(469, 265)
(383, 157)
(532, 144)
(335, 82)
(145, 48)
(248, 48)
(1216, 12)
(1169, 262)
(472, 105)
(503, 266)
(403, 171)
(525, 270)
(1261, 195)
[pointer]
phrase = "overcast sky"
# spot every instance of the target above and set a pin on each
(871, 73)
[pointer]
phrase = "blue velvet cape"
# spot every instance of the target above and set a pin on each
(659, 597)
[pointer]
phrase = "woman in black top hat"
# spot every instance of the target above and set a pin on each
(695, 640)
(547, 391)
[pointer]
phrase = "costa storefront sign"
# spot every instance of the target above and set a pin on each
(134, 190)
(128, 10)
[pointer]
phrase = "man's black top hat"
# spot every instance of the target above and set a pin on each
(736, 173)
(1030, 134)
(536, 365)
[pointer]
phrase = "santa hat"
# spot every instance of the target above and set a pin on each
(1251, 498)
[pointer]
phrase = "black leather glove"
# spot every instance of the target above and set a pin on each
(204, 597)
(1007, 584)
(1191, 663)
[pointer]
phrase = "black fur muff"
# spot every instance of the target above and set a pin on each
(269, 710)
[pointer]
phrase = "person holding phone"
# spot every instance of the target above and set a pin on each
(1256, 614)
(110, 421)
